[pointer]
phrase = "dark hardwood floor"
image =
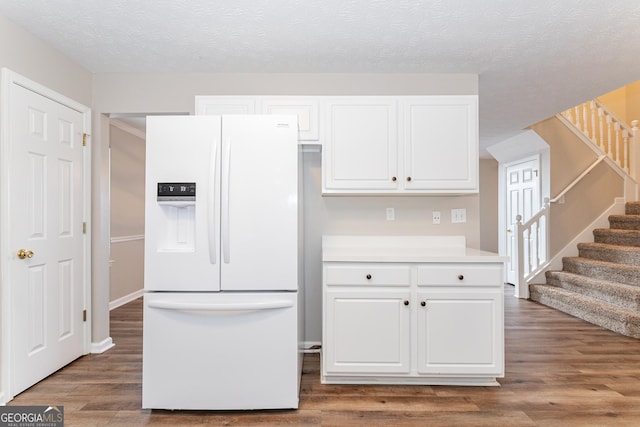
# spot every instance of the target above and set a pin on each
(560, 371)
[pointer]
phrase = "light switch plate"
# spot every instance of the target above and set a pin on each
(458, 215)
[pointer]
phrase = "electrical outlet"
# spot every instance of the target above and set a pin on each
(391, 214)
(436, 217)
(458, 215)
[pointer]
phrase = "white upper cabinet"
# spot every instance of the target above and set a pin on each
(378, 145)
(441, 143)
(401, 145)
(304, 107)
(360, 145)
(219, 105)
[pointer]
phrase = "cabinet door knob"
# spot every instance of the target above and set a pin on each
(393, 178)
(460, 277)
(423, 303)
(406, 302)
(368, 277)
(408, 179)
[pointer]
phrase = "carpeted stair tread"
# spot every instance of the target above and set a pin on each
(602, 284)
(603, 270)
(632, 208)
(625, 222)
(615, 236)
(618, 294)
(626, 322)
(629, 255)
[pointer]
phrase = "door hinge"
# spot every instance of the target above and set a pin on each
(84, 228)
(84, 315)
(84, 139)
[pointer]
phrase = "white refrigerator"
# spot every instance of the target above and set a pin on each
(223, 317)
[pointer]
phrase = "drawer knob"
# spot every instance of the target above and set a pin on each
(408, 179)
(423, 303)
(393, 178)
(368, 277)
(460, 277)
(406, 302)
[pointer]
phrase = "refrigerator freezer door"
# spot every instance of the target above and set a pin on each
(220, 351)
(182, 236)
(259, 206)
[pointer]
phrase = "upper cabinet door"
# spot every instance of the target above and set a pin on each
(360, 145)
(441, 144)
(305, 108)
(219, 105)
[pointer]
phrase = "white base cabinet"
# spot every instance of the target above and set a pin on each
(369, 331)
(413, 322)
(459, 332)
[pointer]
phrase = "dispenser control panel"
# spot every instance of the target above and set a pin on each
(176, 191)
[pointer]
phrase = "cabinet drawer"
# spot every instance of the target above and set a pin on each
(363, 274)
(460, 275)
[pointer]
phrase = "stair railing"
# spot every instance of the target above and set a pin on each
(531, 248)
(617, 140)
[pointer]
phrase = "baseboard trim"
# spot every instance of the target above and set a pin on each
(102, 346)
(125, 299)
(311, 346)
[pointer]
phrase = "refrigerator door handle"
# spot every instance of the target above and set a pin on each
(211, 220)
(220, 307)
(225, 203)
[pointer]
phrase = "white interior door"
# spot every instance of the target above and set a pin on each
(46, 253)
(523, 198)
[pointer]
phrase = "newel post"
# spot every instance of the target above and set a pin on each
(634, 151)
(522, 289)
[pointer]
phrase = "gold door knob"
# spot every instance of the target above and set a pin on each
(25, 253)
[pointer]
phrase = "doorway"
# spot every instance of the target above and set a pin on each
(45, 224)
(522, 194)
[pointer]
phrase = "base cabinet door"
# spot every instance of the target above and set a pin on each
(460, 333)
(367, 332)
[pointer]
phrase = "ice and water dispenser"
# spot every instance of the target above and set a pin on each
(176, 230)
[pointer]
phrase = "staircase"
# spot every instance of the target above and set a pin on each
(602, 284)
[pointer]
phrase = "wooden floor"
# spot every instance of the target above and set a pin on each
(560, 371)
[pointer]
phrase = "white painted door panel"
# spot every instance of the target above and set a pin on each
(523, 198)
(441, 143)
(219, 105)
(360, 151)
(367, 332)
(305, 109)
(459, 333)
(46, 216)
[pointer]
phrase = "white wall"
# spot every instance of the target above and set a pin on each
(29, 56)
(127, 215)
(174, 93)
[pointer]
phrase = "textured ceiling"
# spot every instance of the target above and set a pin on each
(533, 57)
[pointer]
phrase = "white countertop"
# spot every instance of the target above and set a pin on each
(403, 249)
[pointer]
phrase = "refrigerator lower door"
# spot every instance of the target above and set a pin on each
(220, 351)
